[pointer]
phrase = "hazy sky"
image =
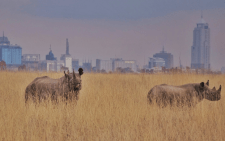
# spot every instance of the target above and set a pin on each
(103, 29)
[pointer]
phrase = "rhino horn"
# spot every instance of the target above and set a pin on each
(213, 88)
(219, 90)
(207, 83)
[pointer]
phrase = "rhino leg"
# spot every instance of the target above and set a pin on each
(77, 95)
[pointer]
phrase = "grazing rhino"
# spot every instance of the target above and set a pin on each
(66, 87)
(188, 94)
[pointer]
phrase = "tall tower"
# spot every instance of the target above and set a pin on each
(67, 57)
(200, 50)
(67, 47)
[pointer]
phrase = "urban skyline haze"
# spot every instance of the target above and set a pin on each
(125, 29)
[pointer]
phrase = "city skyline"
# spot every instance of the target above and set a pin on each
(103, 38)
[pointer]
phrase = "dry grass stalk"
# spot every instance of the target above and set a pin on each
(111, 107)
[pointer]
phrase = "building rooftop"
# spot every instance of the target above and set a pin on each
(10, 46)
(201, 21)
(4, 40)
(50, 55)
(163, 51)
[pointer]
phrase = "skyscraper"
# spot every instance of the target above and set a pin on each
(200, 51)
(168, 57)
(11, 54)
(104, 65)
(156, 62)
(67, 57)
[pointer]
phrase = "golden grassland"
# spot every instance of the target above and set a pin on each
(110, 107)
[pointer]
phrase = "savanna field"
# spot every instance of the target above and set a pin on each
(111, 107)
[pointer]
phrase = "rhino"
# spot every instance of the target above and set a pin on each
(188, 94)
(66, 87)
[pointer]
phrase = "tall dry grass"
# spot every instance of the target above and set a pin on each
(111, 107)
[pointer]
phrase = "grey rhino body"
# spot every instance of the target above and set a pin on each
(66, 87)
(188, 94)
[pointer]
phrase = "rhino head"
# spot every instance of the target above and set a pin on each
(209, 94)
(76, 82)
(213, 94)
(73, 80)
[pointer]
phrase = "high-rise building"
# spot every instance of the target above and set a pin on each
(156, 62)
(104, 65)
(50, 65)
(124, 64)
(168, 58)
(223, 70)
(31, 61)
(50, 55)
(75, 64)
(68, 63)
(200, 50)
(87, 66)
(67, 57)
(11, 54)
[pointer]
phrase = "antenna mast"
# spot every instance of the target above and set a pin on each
(180, 62)
(67, 46)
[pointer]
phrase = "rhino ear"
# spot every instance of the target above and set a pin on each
(202, 84)
(213, 88)
(219, 90)
(80, 71)
(207, 83)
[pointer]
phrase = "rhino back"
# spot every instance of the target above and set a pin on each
(47, 84)
(44, 85)
(170, 93)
